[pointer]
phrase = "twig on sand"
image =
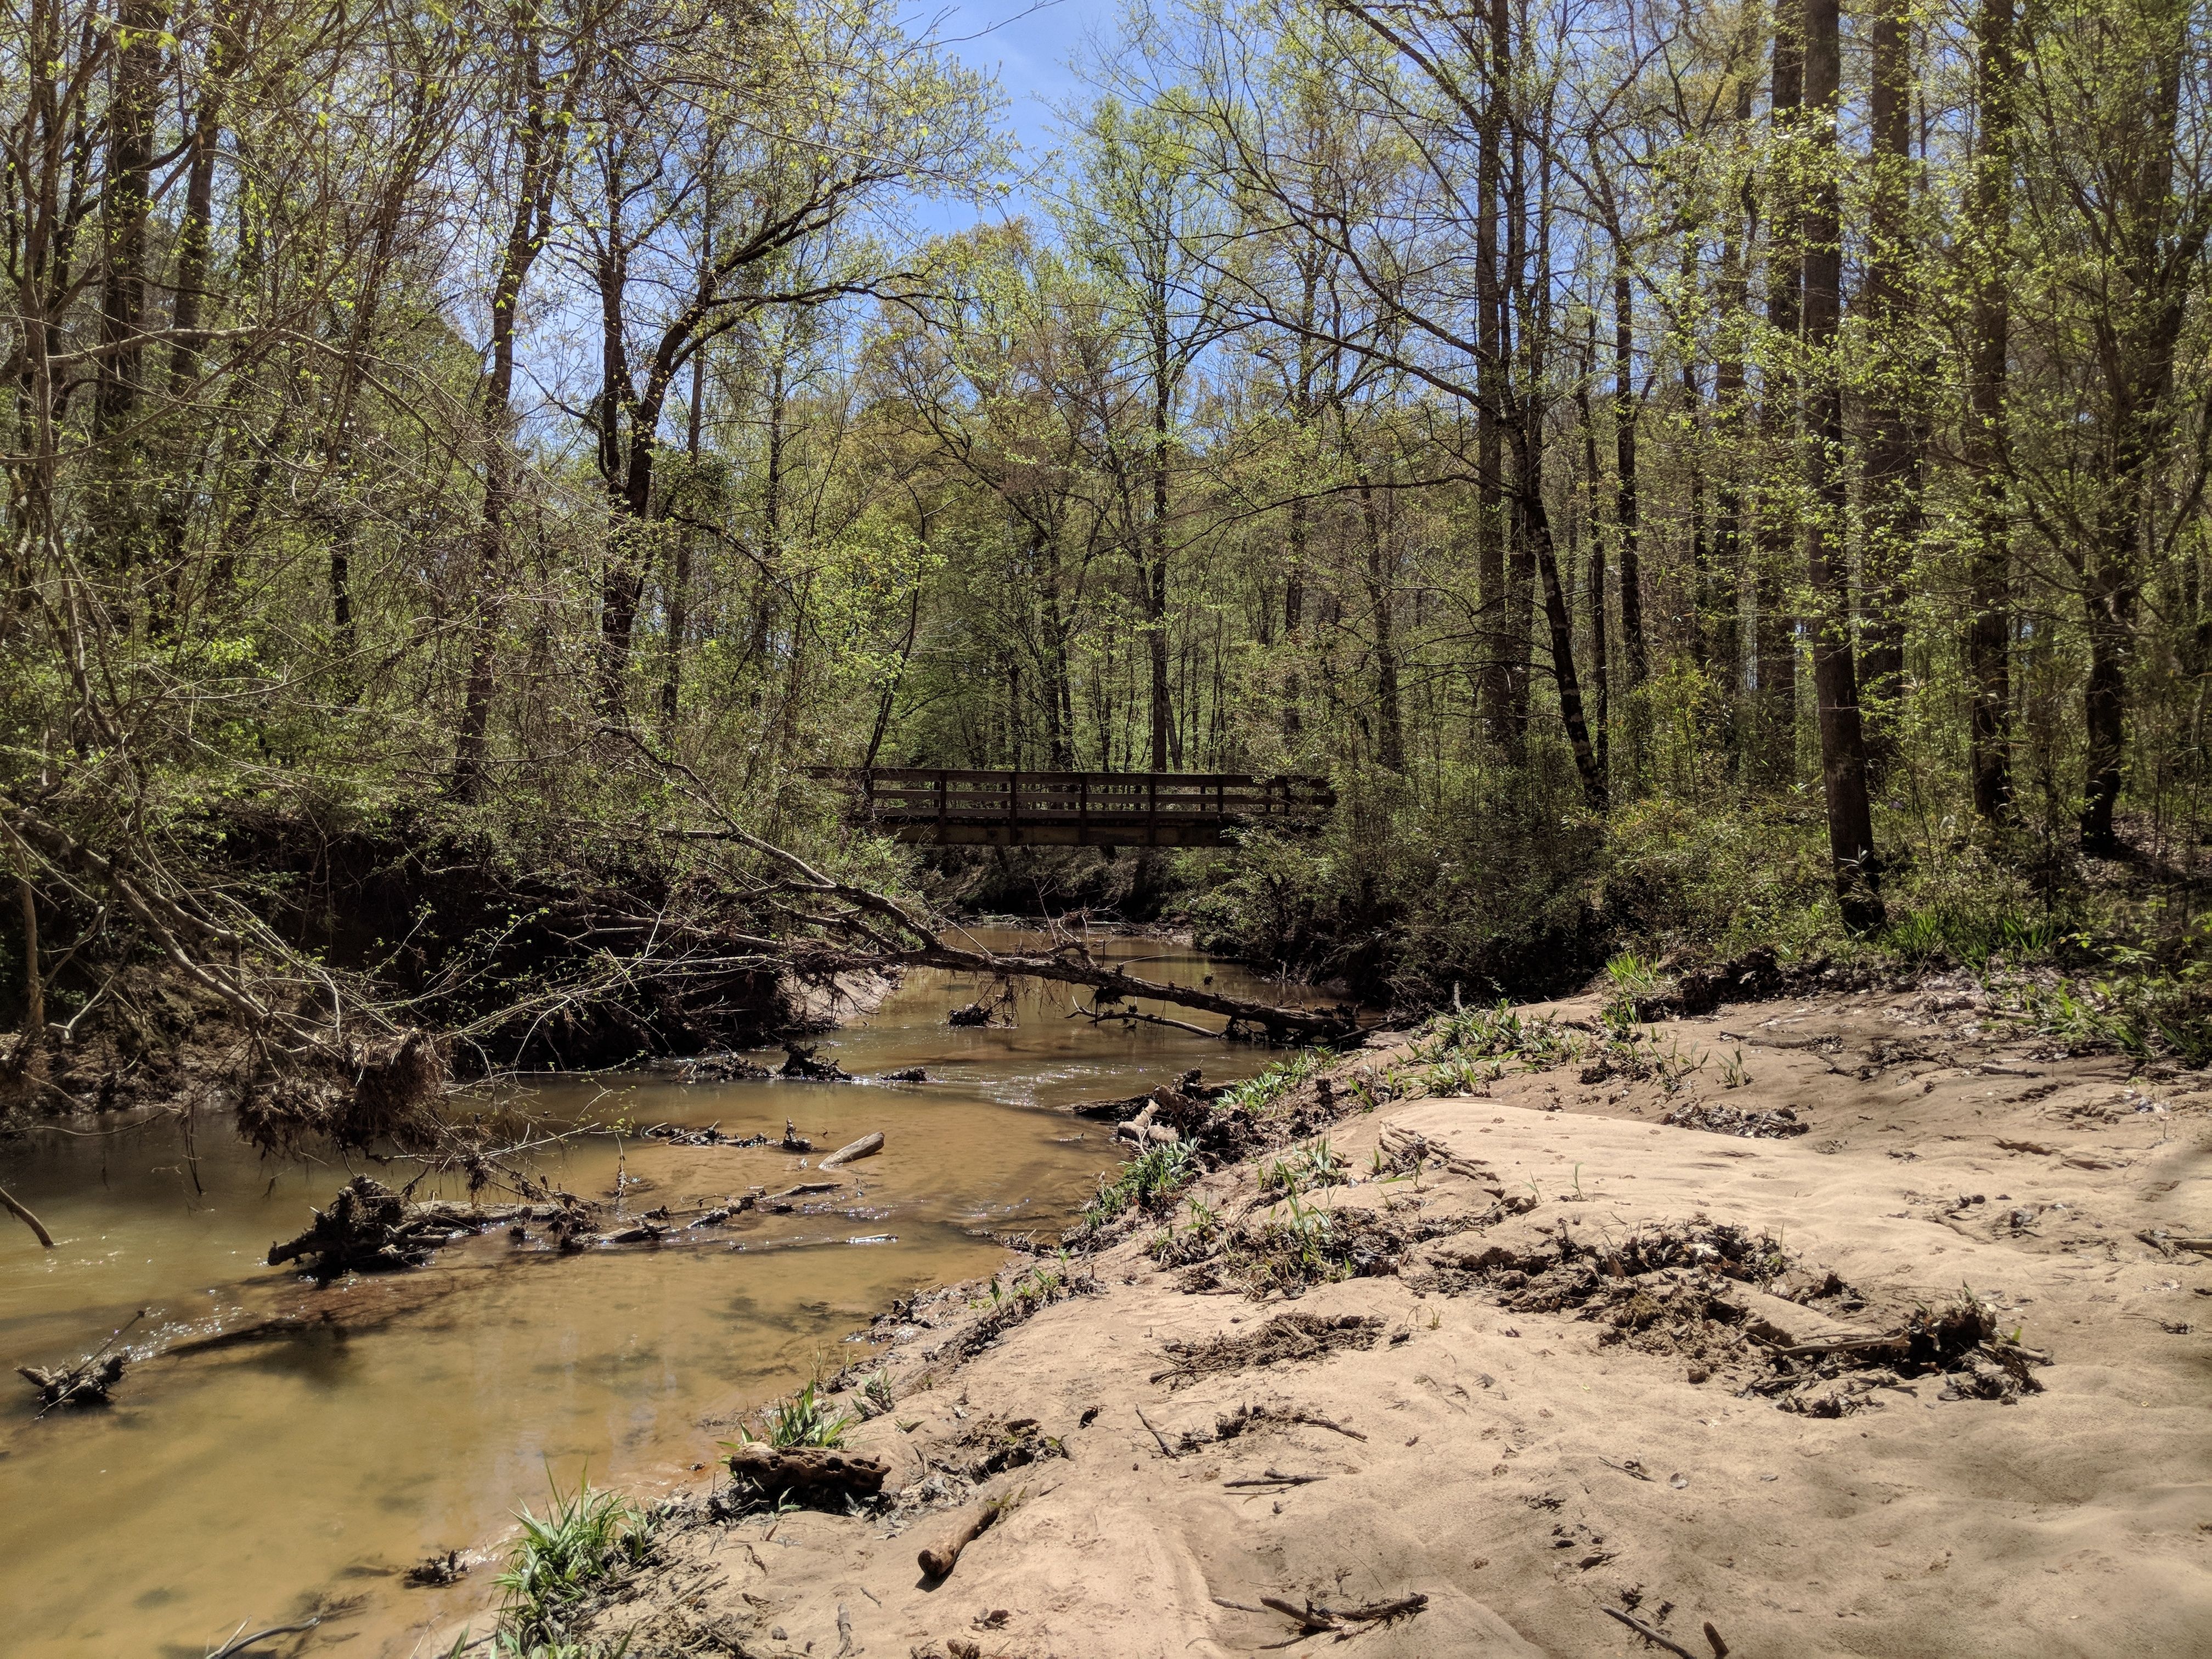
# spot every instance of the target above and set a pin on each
(1325, 1423)
(1315, 1620)
(1166, 1450)
(240, 1643)
(1276, 1478)
(1651, 1635)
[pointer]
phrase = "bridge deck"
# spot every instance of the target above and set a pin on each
(944, 807)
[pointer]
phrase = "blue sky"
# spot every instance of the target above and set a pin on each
(1027, 49)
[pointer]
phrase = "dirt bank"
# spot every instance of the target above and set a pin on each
(1917, 1367)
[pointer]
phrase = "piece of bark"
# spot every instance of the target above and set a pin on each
(865, 1146)
(810, 1470)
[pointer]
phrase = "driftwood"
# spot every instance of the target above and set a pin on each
(911, 1074)
(369, 1229)
(711, 1135)
(1315, 1618)
(1648, 1633)
(720, 1068)
(37, 1226)
(799, 1062)
(238, 1644)
(812, 1470)
(88, 1382)
(793, 1141)
(865, 1146)
(939, 1560)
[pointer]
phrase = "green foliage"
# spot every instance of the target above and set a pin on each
(1304, 1169)
(805, 1418)
(585, 1539)
(1146, 1181)
(1255, 1096)
(1457, 1041)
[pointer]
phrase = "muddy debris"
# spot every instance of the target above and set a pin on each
(725, 1067)
(994, 1445)
(1290, 1336)
(370, 1228)
(675, 1135)
(799, 1062)
(89, 1381)
(437, 1571)
(1712, 1116)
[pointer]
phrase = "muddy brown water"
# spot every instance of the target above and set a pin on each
(269, 1480)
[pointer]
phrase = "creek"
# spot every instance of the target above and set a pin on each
(413, 1414)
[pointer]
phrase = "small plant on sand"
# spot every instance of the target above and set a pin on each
(1465, 1037)
(874, 1396)
(1255, 1095)
(1304, 1168)
(1174, 1247)
(805, 1419)
(1146, 1181)
(585, 1539)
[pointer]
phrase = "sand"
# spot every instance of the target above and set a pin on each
(1525, 1468)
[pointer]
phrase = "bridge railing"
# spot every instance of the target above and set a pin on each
(1082, 801)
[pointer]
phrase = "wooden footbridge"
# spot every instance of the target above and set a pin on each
(943, 808)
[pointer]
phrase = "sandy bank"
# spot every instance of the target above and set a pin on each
(1594, 1361)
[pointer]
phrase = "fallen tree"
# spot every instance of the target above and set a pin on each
(674, 928)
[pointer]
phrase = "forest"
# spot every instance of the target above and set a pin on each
(1692, 477)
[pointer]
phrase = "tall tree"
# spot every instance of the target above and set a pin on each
(1827, 574)
(1986, 443)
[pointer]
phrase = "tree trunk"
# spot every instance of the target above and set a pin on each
(1727, 597)
(1776, 641)
(1495, 692)
(1843, 741)
(1894, 449)
(539, 150)
(679, 576)
(1986, 444)
(132, 106)
(1536, 525)
(1600, 674)
(1391, 747)
(1625, 508)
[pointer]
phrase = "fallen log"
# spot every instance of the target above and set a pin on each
(939, 1559)
(866, 1146)
(811, 1471)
